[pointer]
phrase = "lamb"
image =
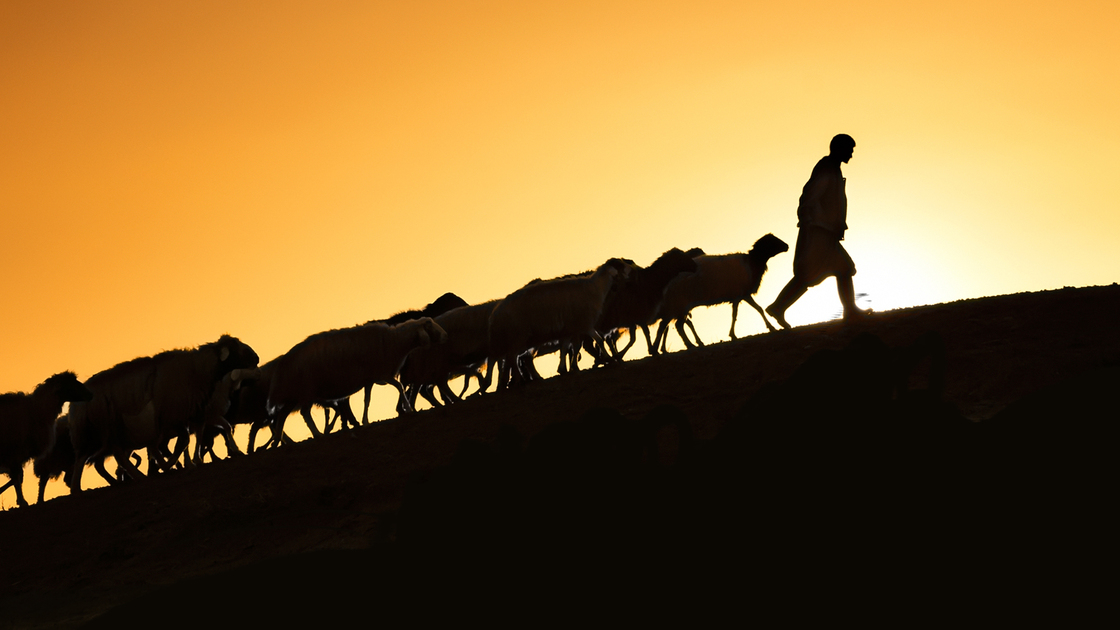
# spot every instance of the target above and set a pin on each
(27, 424)
(563, 309)
(335, 364)
(146, 401)
(718, 279)
(465, 351)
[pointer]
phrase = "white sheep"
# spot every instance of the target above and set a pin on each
(27, 424)
(563, 309)
(717, 280)
(333, 365)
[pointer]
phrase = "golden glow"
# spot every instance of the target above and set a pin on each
(172, 171)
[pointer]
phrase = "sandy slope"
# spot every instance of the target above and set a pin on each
(74, 557)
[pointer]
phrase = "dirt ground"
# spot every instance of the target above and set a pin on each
(75, 557)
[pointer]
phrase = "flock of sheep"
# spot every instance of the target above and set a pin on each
(147, 403)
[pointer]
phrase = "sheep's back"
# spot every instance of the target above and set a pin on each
(718, 279)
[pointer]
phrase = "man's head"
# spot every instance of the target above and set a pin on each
(842, 147)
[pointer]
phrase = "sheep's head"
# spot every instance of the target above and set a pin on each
(444, 303)
(233, 354)
(429, 330)
(676, 261)
(769, 246)
(68, 388)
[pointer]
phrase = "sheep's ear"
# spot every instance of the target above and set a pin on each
(224, 354)
(235, 375)
(425, 340)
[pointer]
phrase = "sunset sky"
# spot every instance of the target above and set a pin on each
(172, 171)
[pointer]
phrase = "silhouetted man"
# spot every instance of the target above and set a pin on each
(821, 221)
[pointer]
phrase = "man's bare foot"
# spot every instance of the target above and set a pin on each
(779, 316)
(855, 315)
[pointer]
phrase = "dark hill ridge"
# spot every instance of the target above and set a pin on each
(75, 557)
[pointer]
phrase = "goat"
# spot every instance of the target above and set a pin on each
(465, 351)
(637, 301)
(147, 401)
(335, 364)
(564, 309)
(27, 424)
(718, 279)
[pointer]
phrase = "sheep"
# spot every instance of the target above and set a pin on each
(335, 364)
(563, 309)
(27, 424)
(214, 422)
(58, 459)
(444, 303)
(465, 351)
(718, 279)
(637, 301)
(146, 401)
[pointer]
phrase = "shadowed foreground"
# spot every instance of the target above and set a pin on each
(822, 467)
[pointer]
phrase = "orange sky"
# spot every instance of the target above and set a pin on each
(172, 171)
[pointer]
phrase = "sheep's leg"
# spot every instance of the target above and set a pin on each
(574, 348)
(409, 390)
(650, 348)
(734, 316)
(750, 300)
(99, 466)
(400, 388)
(365, 409)
(276, 425)
(429, 395)
(231, 445)
(684, 334)
(42, 488)
(182, 439)
(660, 340)
(342, 410)
(686, 321)
(157, 460)
(631, 338)
(15, 478)
(306, 413)
(562, 368)
(76, 474)
(253, 428)
(124, 461)
(527, 368)
(449, 397)
(484, 380)
(508, 372)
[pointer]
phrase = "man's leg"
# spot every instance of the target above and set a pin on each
(793, 291)
(847, 294)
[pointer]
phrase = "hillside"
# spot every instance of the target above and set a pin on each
(75, 557)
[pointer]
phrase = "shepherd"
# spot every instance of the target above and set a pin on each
(821, 221)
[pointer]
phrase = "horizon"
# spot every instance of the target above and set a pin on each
(180, 171)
